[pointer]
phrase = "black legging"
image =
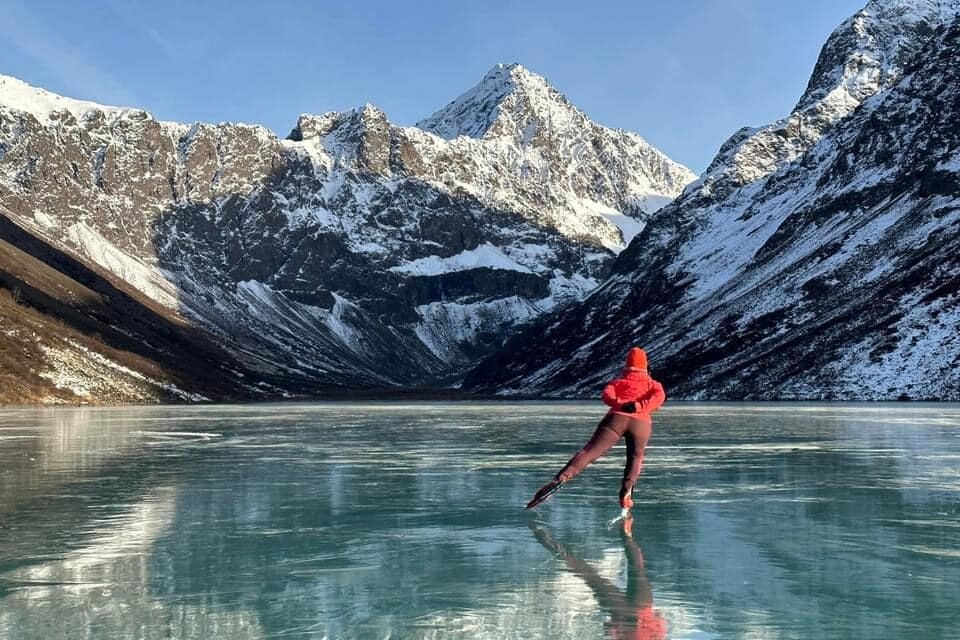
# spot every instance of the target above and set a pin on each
(613, 427)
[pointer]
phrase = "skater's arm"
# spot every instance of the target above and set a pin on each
(653, 398)
(612, 398)
(609, 396)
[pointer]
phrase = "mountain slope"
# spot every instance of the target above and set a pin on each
(72, 333)
(803, 264)
(355, 253)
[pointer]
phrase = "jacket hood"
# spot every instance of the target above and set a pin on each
(636, 360)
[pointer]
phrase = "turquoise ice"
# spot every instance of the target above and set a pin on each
(407, 521)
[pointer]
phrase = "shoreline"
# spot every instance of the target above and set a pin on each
(440, 395)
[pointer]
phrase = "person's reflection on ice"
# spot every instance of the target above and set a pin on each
(632, 615)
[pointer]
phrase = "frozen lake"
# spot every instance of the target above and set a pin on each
(367, 520)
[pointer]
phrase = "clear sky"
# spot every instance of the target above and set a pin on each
(684, 74)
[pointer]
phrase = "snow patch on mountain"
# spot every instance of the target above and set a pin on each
(446, 326)
(146, 278)
(564, 289)
(486, 255)
(337, 321)
(629, 226)
(928, 342)
(83, 372)
(309, 216)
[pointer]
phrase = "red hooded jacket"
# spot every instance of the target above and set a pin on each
(637, 386)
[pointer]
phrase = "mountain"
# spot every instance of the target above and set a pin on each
(354, 253)
(815, 258)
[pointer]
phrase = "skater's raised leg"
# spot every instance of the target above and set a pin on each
(608, 432)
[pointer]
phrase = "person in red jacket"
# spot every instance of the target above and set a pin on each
(632, 398)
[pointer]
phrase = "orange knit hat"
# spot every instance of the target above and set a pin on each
(636, 358)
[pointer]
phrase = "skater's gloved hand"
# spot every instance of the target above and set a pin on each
(629, 407)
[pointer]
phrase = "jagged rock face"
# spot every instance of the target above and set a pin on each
(832, 275)
(863, 56)
(354, 253)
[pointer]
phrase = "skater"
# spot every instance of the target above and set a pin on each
(632, 398)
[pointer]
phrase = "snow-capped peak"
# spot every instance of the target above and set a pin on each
(372, 111)
(505, 89)
(591, 174)
(18, 95)
(869, 50)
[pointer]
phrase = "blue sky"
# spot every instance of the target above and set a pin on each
(684, 74)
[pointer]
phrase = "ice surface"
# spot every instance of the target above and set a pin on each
(357, 520)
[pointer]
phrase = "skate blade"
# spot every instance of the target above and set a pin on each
(541, 499)
(624, 512)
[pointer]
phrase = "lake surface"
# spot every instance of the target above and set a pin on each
(407, 521)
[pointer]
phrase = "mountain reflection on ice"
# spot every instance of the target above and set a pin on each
(406, 521)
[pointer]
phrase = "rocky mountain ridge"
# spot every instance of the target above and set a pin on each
(354, 253)
(815, 258)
